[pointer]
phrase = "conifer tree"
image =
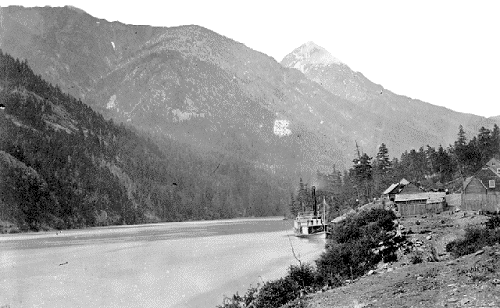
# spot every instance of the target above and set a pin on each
(485, 144)
(382, 175)
(362, 173)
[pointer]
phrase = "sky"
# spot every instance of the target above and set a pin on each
(444, 52)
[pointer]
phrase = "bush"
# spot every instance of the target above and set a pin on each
(493, 222)
(416, 257)
(297, 303)
(352, 252)
(475, 238)
(390, 254)
(238, 301)
(304, 275)
(14, 230)
(332, 265)
(370, 222)
(277, 293)
(346, 261)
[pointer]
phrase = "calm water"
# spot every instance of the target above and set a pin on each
(189, 264)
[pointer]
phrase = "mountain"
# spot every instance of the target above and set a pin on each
(439, 125)
(62, 165)
(200, 88)
(320, 66)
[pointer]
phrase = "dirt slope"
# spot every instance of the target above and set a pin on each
(468, 281)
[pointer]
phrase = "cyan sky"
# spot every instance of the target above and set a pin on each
(443, 52)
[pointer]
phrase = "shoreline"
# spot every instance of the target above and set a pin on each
(125, 228)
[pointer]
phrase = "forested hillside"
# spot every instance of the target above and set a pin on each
(62, 165)
(429, 168)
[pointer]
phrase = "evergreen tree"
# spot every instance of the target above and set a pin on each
(495, 140)
(485, 144)
(382, 176)
(444, 165)
(461, 151)
(474, 156)
(431, 156)
(362, 173)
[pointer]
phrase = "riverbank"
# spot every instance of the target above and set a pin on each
(7, 228)
(435, 266)
(469, 281)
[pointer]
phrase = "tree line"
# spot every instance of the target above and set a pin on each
(427, 167)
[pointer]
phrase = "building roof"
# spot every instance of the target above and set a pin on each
(404, 181)
(398, 187)
(490, 171)
(433, 196)
(436, 199)
(470, 179)
(410, 197)
(467, 182)
(410, 188)
(493, 163)
(390, 189)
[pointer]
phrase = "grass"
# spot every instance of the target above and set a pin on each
(476, 238)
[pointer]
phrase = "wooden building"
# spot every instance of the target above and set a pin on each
(481, 192)
(420, 203)
(404, 186)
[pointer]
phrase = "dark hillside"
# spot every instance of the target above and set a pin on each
(64, 166)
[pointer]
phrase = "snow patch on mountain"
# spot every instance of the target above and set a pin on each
(281, 128)
(112, 102)
(310, 54)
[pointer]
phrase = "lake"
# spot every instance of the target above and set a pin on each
(181, 264)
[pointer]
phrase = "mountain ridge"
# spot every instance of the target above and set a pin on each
(191, 84)
(355, 87)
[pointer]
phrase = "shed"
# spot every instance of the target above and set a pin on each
(420, 203)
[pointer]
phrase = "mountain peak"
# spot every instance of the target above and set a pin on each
(309, 53)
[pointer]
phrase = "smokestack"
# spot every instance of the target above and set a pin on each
(315, 208)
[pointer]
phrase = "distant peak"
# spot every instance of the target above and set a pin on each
(315, 54)
(309, 53)
(309, 46)
(312, 44)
